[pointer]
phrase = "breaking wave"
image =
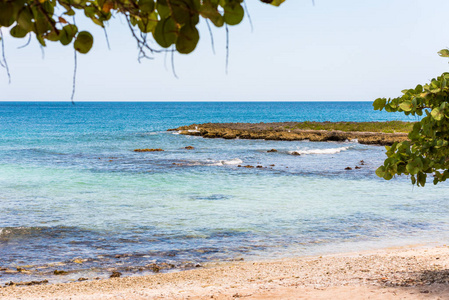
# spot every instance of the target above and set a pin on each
(319, 151)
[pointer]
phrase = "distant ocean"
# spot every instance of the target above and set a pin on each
(74, 195)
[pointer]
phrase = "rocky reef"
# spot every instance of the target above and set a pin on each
(289, 131)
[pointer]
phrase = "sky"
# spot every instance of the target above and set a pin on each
(347, 50)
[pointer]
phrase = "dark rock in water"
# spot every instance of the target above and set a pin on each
(248, 166)
(296, 153)
(60, 272)
(83, 279)
(272, 165)
(166, 266)
(115, 274)
(272, 150)
(34, 282)
(259, 167)
(348, 168)
(148, 150)
(189, 148)
(357, 167)
(362, 162)
(154, 267)
(239, 166)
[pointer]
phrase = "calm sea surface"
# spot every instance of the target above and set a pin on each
(75, 197)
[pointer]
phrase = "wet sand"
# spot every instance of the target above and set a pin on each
(413, 272)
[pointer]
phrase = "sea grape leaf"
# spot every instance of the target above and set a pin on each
(165, 32)
(379, 103)
(83, 42)
(6, 14)
(233, 13)
(67, 33)
(406, 106)
(18, 32)
(444, 53)
(437, 114)
(188, 39)
(146, 6)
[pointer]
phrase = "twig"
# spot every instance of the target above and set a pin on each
(173, 63)
(249, 16)
(74, 76)
(211, 36)
(5, 63)
(227, 48)
(107, 38)
(27, 43)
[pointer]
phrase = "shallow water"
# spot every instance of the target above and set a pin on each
(76, 197)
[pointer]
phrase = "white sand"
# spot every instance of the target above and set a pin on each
(414, 272)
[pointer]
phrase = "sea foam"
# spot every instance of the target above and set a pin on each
(319, 151)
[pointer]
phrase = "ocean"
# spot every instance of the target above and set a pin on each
(74, 196)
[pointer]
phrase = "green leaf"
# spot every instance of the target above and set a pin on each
(148, 24)
(418, 89)
(165, 32)
(181, 10)
(414, 166)
(380, 171)
(437, 114)
(444, 53)
(6, 14)
(233, 13)
(379, 103)
(84, 41)
(276, 2)
(406, 106)
(210, 11)
(162, 9)
(67, 33)
(422, 178)
(146, 6)
(187, 39)
(24, 19)
(18, 32)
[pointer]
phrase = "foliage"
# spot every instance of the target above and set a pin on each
(427, 152)
(385, 127)
(171, 22)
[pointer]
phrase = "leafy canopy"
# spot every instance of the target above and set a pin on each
(170, 22)
(427, 152)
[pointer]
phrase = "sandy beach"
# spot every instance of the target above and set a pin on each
(412, 272)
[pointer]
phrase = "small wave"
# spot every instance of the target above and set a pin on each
(319, 151)
(230, 162)
(235, 161)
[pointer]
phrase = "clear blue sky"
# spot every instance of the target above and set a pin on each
(335, 50)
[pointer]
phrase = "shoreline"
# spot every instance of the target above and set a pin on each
(409, 272)
(297, 131)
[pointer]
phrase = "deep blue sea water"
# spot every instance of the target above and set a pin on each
(75, 196)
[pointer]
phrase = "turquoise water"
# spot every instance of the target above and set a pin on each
(73, 188)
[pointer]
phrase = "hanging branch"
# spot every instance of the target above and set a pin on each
(75, 67)
(249, 16)
(227, 48)
(173, 62)
(5, 63)
(27, 43)
(107, 38)
(211, 37)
